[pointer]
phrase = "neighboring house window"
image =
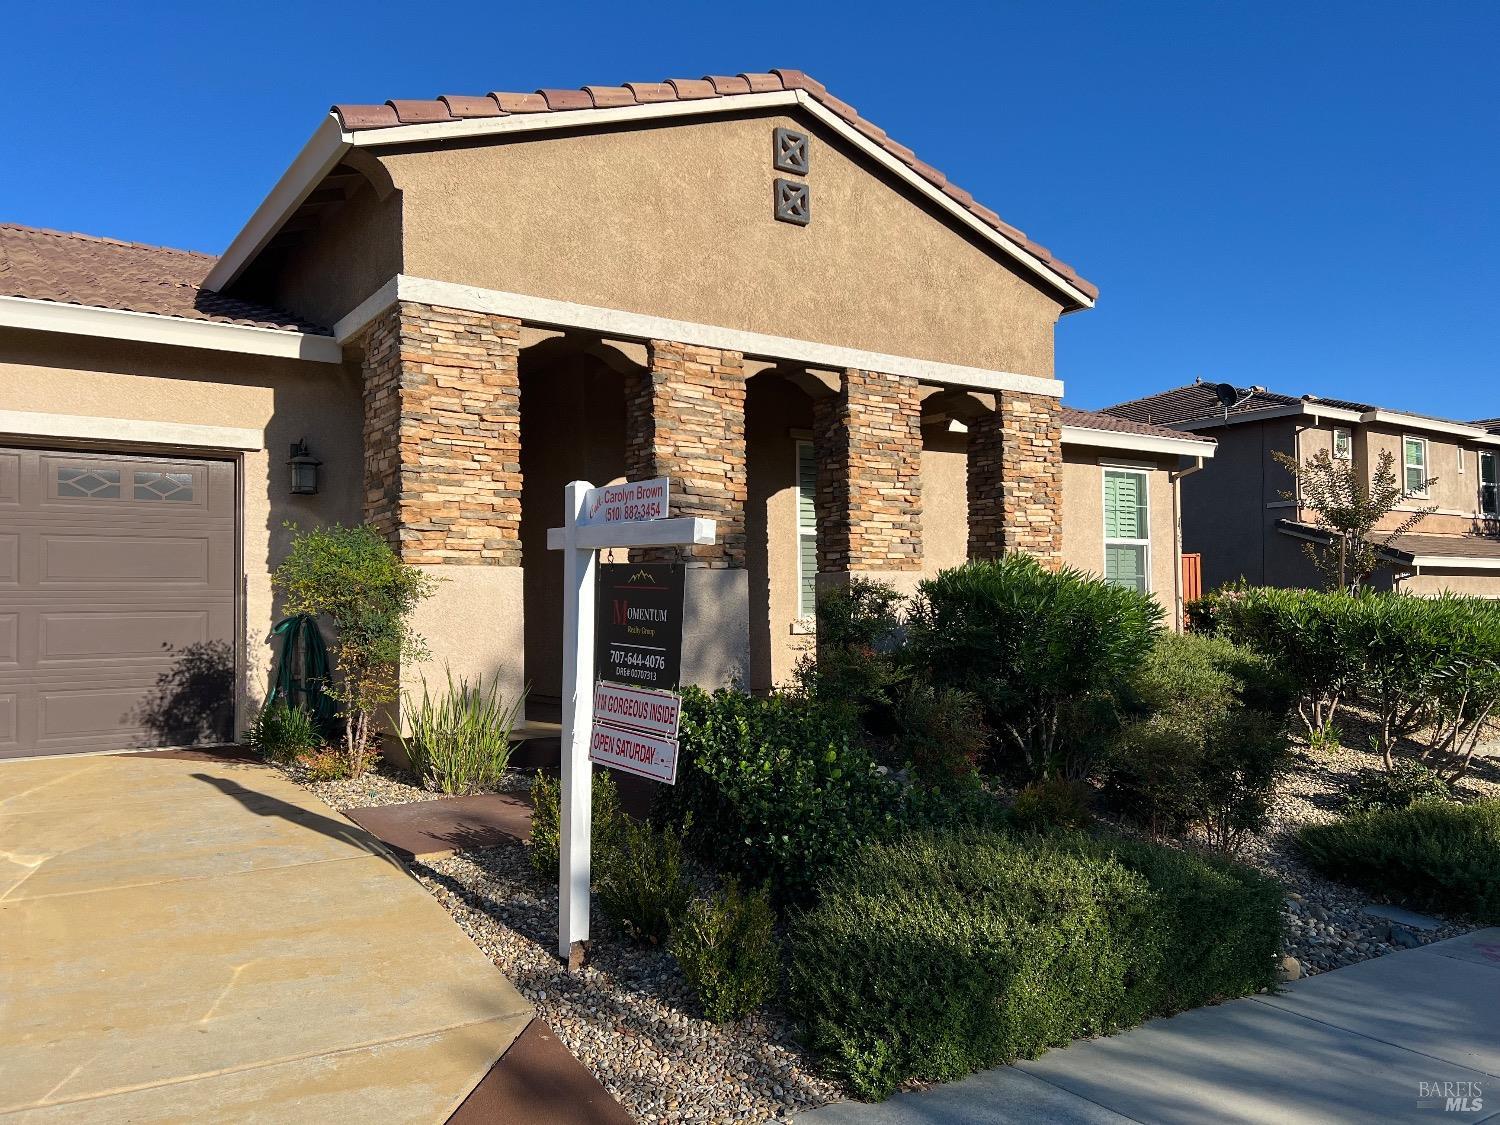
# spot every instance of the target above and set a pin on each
(1127, 522)
(1415, 462)
(1343, 444)
(1489, 501)
(807, 530)
(1460, 450)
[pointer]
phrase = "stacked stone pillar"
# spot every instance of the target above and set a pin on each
(868, 441)
(1015, 479)
(442, 436)
(685, 419)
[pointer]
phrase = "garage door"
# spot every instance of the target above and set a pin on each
(117, 588)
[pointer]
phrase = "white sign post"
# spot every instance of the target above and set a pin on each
(586, 532)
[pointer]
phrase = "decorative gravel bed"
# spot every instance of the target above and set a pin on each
(387, 786)
(1326, 926)
(628, 1016)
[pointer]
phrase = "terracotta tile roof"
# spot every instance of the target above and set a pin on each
(451, 107)
(1092, 420)
(81, 269)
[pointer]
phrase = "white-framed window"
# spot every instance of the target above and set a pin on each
(1343, 444)
(1489, 485)
(1127, 528)
(1460, 451)
(807, 530)
(1414, 466)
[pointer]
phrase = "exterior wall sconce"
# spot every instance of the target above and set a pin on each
(304, 468)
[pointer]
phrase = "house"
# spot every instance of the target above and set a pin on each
(1238, 515)
(450, 308)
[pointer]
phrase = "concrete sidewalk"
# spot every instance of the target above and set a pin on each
(190, 939)
(1356, 1044)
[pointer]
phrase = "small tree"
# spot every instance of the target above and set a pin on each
(1347, 509)
(351, 576)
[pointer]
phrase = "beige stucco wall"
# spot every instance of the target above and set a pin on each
(1083, 516)
(324, 272)
(676, 221)
(945, 500)
(1483, 584)
(285, 399)
(1454, 494)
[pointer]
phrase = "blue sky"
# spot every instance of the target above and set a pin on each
(1297, 194)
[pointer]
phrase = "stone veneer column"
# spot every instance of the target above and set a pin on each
(685, 419)
(868, 440)
(442, 436)
(1015, 479)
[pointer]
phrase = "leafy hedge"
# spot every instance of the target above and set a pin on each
(942, 954)
(774, 790)
(1433, 855)
(1426, 668)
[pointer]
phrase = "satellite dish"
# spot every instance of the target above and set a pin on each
(1228, 394)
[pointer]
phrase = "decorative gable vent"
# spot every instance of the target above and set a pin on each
(793, 202)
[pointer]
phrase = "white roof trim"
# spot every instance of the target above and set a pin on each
(1452, 562)
(1139, 443)
(128, 431)
(330, 142)
(323, 150)
(642, 326)
(154, 328)
(1322, 411)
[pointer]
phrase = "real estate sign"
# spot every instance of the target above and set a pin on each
(638, 634)
(624, 503)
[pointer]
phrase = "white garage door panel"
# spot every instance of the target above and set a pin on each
(117, 587)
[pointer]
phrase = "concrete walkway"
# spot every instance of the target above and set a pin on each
(197, 940)
(1356, 1044)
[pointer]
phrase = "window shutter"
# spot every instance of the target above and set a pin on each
(1124, 506)
(1125, 565)
(807, 529)
(807, 486)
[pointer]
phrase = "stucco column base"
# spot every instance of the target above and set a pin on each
(715, 627)
(904, 582)
(474, 626)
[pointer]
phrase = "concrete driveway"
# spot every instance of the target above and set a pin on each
(193, 939)
(1390, 1040)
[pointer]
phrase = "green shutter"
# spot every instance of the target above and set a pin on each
(1416, 465)
(1125, 565)
(807, 527)
(1125, 515)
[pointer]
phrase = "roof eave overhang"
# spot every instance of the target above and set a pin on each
(331, 142)
(1137, 443)
(173, 331)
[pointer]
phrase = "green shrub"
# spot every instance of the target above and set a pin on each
(1055, 803)
(352, 576)
(460, 741)
(856, 669)
(1305, 634)
(324, 764)
(546, 822)
(727, 952)
(940, 733)
(1399, 787)
(1432, 855)
(774, 789)
(282, 733)
(1029, 643)
(1211, 745)
(641, 882)
(942, 954)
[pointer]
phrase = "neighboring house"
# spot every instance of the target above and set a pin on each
(1236, 513)
(462, 304)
